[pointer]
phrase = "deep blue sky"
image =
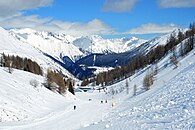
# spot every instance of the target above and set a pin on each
(142, 12)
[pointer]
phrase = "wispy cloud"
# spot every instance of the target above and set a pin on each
(93, 27)
(12, 7)
(152, 29)
(118, 5)
(11, 16)
(176, 3)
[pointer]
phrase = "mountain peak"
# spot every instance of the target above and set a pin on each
(134, 38)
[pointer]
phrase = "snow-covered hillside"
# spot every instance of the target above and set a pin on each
(169, 104)
(23, 106)
(21, 101)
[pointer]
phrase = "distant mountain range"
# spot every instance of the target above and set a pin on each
(74, 47)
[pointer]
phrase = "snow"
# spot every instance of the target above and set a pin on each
(20, 100)
(101, 69)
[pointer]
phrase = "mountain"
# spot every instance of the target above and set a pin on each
(69, 51)
(10, 45)
(118, 59)
(79, 55)
(96, 44)
(56, 45)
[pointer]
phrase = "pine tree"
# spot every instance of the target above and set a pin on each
(71, 86)
(1, 61)
(174, 61)
(10, 69)
(155, 70)
(148, 81)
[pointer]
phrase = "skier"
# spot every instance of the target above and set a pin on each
(75, 107)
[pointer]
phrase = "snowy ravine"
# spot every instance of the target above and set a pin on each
(170, 107)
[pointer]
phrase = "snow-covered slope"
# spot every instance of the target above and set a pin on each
(162, 39)
(21, 101)
(22, 106)
(12, 46)
(169, 104)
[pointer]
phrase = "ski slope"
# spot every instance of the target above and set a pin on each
(169, 104)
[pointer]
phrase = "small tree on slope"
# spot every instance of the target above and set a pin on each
(148, 81)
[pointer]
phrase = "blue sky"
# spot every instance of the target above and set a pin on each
(109, 18)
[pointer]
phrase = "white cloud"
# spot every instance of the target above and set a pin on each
(94, 27)
(152, 28)
(118, 5)
(176, 3)
(12, 7)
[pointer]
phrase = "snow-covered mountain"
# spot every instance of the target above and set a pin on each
(96, 44)
(89, 51)
(10, 45)
(56, 45)
(65, 45)
(122, 58)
